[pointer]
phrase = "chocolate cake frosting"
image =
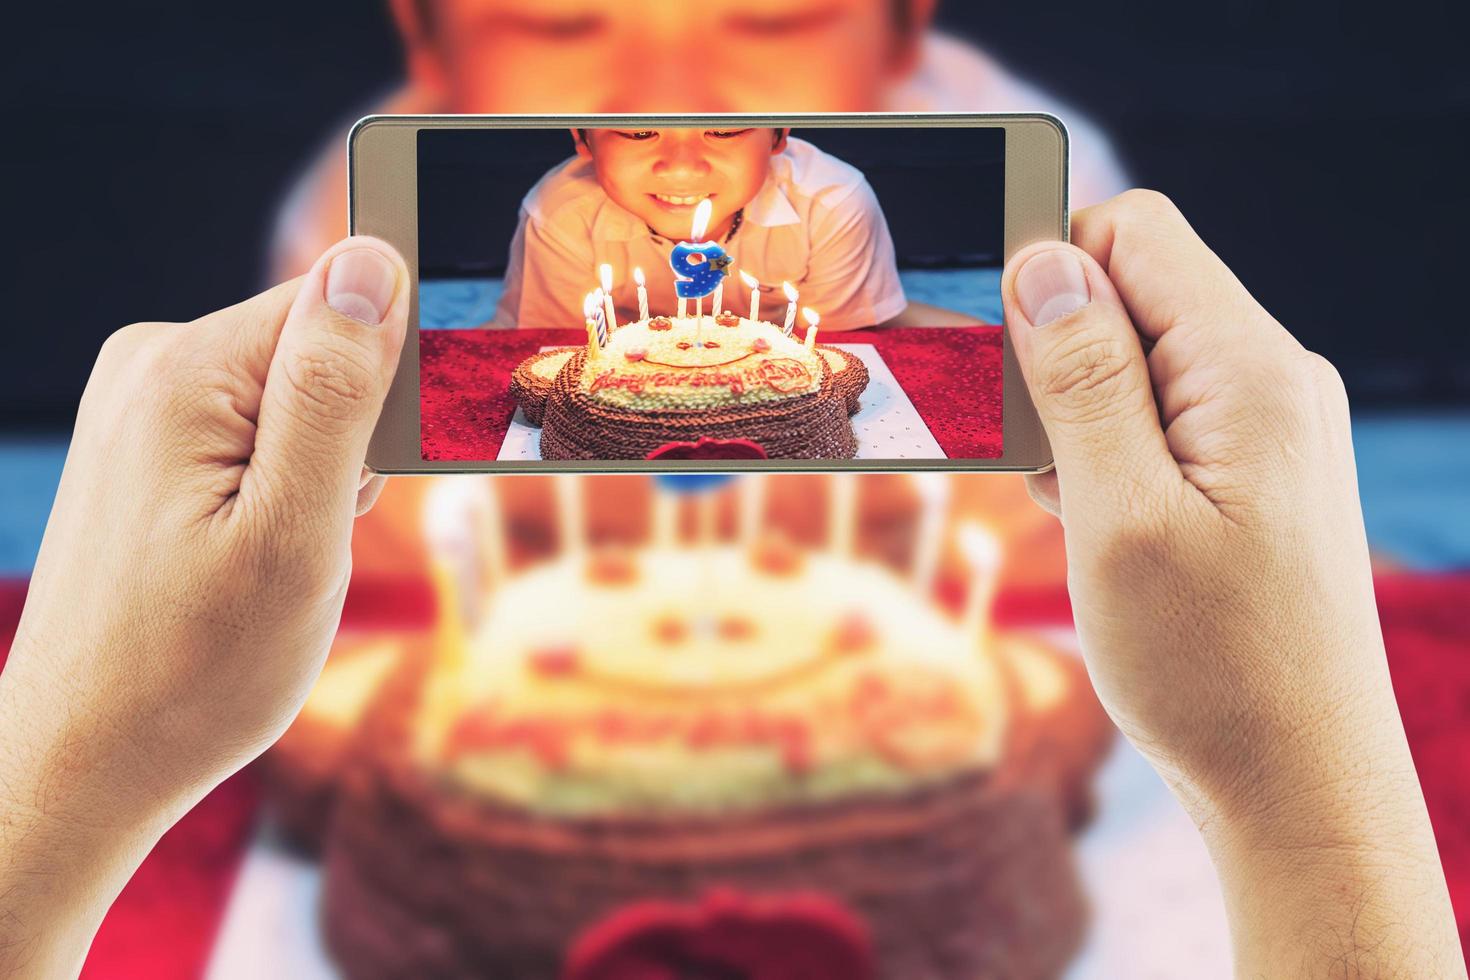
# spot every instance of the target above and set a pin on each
(579, 426)
(971, 878)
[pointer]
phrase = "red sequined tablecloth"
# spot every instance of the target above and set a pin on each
(953, 376)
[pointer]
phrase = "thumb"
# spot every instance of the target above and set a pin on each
(1085, 369)
(331, 369)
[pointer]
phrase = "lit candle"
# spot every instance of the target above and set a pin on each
(492, 538)
(596, 322)
(842, 513)
(642, 293)
(812, 319)
(981, 550)
(463, 533)
(790, 292)
(755, 294)
(571, 521)
(699, 267)
(933, 490)
(604, 272)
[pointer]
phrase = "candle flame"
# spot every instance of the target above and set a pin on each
(451, 509)
(749, 279)
(701, 219)
(980, 546)
(638, 275)
(810, 316)
(604, 272)
(590, 303)
(932, 487)
(789, 290)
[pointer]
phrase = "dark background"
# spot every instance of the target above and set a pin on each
(942, 192)
(1319, 147)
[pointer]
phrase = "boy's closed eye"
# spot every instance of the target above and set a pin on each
(644, 135)
(783, 23)
(543, 26)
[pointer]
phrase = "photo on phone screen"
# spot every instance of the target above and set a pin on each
(688, 293)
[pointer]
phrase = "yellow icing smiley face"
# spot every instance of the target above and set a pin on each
(690, 638)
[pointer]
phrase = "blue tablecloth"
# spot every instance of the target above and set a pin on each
(1413, 473)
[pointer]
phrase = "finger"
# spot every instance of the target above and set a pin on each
(335, 357)
(1084, 366)
(1044, 491)
(368, 493)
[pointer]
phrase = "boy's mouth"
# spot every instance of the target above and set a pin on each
(680, 200)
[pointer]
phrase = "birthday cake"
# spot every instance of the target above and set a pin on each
(692, 386)
(714, 759)
(664, 382)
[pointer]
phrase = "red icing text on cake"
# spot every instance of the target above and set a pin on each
(914, 722)
(785, 375)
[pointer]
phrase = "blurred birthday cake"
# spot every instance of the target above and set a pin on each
(693, 385)
(710, 758)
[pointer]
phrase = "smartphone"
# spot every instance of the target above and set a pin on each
(708, 293)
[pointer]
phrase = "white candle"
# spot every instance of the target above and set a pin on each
(683, 308)
(755, 294)
(642, 293)
(812, 319)
(462, 530)
(571, 520)
(933, 490)
(981, 550)
(492, 536)
(752, 506)
(591, 311)
(717, 306)
(665, 517)
(604, 273)
(842, 513)
(790, 292)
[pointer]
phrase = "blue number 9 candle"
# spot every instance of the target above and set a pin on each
(701, 267)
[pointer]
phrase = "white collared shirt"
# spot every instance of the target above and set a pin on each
(815, 223)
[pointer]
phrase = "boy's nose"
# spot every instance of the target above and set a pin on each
(681, 154)
(668, 78)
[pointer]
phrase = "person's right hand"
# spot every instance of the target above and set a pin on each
(1221, 586)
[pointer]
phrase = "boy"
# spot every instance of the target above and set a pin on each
(783, 209)
(541, 56)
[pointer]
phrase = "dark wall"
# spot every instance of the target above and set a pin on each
(1319, 148)
(942, 191)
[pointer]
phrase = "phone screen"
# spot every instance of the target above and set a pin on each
(695, 293)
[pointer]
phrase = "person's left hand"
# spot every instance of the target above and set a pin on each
(190, 580)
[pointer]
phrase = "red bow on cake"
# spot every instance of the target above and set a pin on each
(707, 448)
(727, 936)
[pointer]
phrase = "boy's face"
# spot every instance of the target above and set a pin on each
(661, 175)
(660, 56)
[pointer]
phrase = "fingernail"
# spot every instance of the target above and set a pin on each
(360, 284)
(1050, 285)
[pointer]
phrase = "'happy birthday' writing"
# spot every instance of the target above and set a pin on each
(780, 374)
